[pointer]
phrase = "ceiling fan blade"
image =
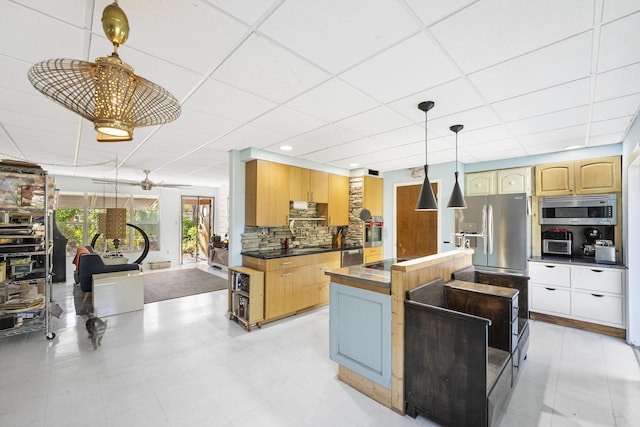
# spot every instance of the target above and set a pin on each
(171, 185)
(114, 182)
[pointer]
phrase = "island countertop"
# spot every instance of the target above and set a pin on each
(363, 277)
(282, 253)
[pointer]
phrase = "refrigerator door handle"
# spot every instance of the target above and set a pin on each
(484, 229)
(490, 227)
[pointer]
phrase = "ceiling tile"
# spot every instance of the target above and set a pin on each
(615, 9)
(476, 37)
(326, 136)
(248, 11)
(222, 100)
(572, 117)
(336, 34)
(610, 127)
(449, 98)
(617, 83)
(571, 60)
(477, 118)
(245, 137)
(287, 121)
(478, 136)
(413, 66)
(557, 98)
(267, 70)
(619, 43)
(617, 107)
(332, 100)
(432, 11)
(567, 135)
(377, 120)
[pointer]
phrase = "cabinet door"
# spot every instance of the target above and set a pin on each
(266, 193)
(372, 254)
(606, 280)
(555, 275)
(547, 299)
(278, 293)
(598, 308)
(299, 183)
(338, 202)
(480, 183)
(514, 181)
(555, 179)
(596, 176)
(372, 199)
(318, 187)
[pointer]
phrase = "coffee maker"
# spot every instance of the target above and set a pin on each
(590, 237)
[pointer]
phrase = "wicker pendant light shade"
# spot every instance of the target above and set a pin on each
(106, 92)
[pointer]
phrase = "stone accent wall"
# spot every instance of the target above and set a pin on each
(355, 232)
(302, 234)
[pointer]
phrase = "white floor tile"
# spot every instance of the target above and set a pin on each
(183, 362)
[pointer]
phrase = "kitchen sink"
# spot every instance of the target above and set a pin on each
(303, 250)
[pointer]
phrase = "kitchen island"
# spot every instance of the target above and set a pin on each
(367, 321)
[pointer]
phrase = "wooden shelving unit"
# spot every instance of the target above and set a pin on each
(246, 296)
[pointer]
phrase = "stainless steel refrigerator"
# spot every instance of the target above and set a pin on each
(498, 228)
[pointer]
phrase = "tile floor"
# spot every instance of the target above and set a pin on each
(183, 363)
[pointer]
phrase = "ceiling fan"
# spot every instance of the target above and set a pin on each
(146, 184)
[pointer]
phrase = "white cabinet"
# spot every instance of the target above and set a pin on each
(593, 294)
(501, 181)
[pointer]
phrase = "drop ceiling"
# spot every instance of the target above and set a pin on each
(338, 81)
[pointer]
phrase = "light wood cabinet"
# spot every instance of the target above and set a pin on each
(591, 176)
(338, 206)
(372, 254)
(296, 283)
(372, 194)
(501, 181)
(266, 193)
(308, 185)
(246, 296)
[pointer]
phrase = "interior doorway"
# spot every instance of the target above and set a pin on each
(416, 231)
(196, 228)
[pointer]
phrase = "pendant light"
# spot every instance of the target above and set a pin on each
(456, 201)
(106, 92)
(427, 200)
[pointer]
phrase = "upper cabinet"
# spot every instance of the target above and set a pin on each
(338, 207)
(266, 194)
(502, 181)
(517, 180)
(480, 183)
(592, 176)
(372, 194)
(308, 185)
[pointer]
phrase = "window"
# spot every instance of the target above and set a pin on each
(77, 217)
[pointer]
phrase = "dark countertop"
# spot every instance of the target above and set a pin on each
(282, 253)
(589, 262)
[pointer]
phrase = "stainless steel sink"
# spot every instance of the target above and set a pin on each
(303, 250)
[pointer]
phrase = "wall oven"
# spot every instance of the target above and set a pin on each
(597, 209)
(373, 232)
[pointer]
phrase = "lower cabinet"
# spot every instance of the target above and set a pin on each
(372, 254)
(591, 294)
(294, 283)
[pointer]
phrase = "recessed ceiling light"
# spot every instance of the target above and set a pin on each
(286, 148)
(354, 165)
(573, 147)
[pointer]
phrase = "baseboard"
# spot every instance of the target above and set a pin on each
(579, 324)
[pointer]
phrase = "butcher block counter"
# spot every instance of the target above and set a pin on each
(367, 321)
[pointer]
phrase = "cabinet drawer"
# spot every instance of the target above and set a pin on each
(597, 279)
(550, 274)
(548, 299)
(598, 308)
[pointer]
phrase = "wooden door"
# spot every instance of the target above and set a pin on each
(416, 232)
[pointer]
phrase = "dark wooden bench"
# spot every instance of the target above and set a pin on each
(452, 375)
(512, 281)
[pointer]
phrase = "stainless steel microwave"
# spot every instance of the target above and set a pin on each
(597, 209)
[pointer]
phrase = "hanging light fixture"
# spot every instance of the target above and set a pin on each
(456, 201)
(426, 200)
(106, 92)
